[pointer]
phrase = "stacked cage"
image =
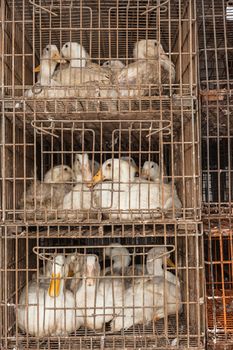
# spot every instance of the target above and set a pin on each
(100, 176)
(215, 18)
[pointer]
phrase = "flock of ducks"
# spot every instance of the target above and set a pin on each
(115, 190)
(122, 295)
(77, 76)
(73, 291)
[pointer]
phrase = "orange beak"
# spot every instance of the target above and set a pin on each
(170, 263)
(97, 178)
(54, 287)
(37, 69)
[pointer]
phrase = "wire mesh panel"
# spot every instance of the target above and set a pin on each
(216, 104)
(79, 171)
(103, 291)
(215, 48)
(219, 275)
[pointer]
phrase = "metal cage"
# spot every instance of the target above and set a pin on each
(51, 143)
(215, 62)
(26, 263)
(90, 115)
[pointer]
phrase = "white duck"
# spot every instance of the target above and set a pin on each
(79, 198)
(114, 67)
(87, 79)
(131, 161)
(49, 59)
(76, 265)
(48, 309)
(113, 64)
(98, 300)
(151, 66)
(123, 197)
(78, 73)
(83, 172)
(48, 194)
(121, 259)
(150, 298)
(151, 171)
(76, 54)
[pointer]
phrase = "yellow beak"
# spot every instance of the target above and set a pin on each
(170, 263)
(98, 177)
(58, 58)
(37, 69)
(54, 287)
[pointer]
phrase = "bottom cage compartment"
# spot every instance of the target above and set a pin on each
(104, 294)
(219, 282)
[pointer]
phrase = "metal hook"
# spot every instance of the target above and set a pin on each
(43, 131)
(168, 127)
(42, 8)
(162, 8)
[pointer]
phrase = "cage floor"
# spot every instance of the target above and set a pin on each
(159, 335)
(69, 108)
(218, 228)
(220, 342)
(220, 311)
(107, 231)
(217, 210)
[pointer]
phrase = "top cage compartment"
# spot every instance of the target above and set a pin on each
(110, 73)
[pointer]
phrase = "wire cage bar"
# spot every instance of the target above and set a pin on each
(27, 265)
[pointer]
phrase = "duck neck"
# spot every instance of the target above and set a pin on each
(154, 267)
(78, 178)
(127, 175)
(78, 63)
(86, 172)
(47, 70)
(121, 262)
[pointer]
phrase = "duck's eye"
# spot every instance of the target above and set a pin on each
(47, 48)
(155, 43)
(65, 168)
(109, 165)
(66, 45)
(152, 166)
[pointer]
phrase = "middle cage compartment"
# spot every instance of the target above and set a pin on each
(63, 171)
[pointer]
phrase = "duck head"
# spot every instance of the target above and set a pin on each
(49, 59)
(91, 270)
(75, 53)
(81, 167)
(59, 174)
(116, 170)
(119, 255)
(156, 258)
(150, 171)
(150, 49)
